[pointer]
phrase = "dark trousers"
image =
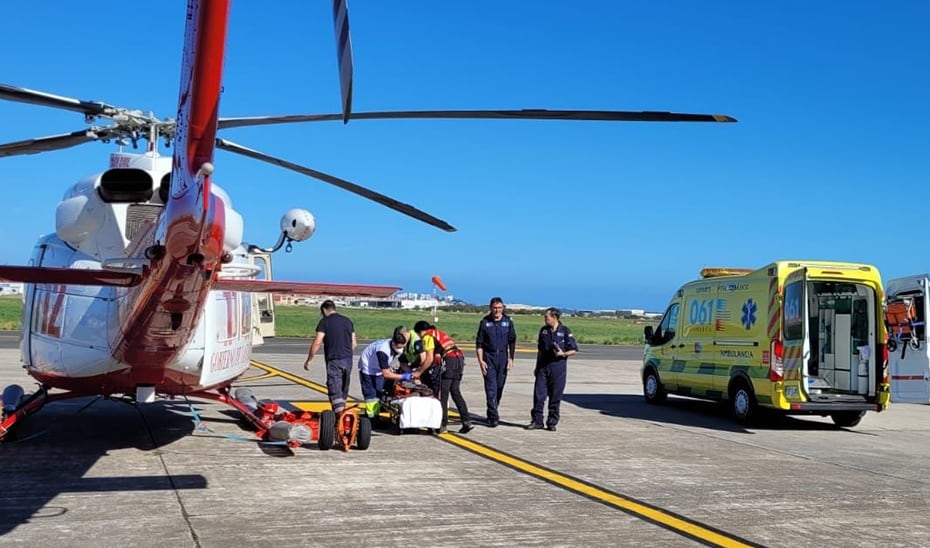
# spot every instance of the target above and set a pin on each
(431, 379)
(550, 382)
(372, 386)
(451, 382)
(494, 381)
(338, 376)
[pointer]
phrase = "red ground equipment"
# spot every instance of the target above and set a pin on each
(297, 428)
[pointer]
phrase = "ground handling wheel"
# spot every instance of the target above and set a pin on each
(326, 430)
(363, 439)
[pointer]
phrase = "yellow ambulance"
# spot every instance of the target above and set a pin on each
(795, 336)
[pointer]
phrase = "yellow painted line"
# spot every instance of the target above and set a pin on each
(293, 378)
(663, 518)
(257, 377)
(312, 406)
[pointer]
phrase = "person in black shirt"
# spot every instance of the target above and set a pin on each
(555, 344)
(336, 334)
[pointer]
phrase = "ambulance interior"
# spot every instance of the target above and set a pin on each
(842, 327)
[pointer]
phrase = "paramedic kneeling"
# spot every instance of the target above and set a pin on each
(377, 357)
(555, 344)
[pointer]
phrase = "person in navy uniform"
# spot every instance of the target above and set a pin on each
(495, 345)
(555, 344)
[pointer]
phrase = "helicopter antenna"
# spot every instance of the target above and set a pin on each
(153, 137)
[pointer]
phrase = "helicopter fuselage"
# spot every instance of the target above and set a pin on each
(78, 336)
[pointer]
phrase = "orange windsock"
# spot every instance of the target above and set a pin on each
(438, 281)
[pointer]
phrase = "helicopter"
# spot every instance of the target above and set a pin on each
(144, 288)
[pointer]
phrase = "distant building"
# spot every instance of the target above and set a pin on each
(365, 302)
(527, 307)
(405, 301)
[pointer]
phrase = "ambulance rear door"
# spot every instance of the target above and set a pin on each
(796, 332)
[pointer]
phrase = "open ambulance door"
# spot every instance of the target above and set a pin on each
(796, 331)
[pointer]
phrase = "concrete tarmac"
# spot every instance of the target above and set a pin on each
(616, 473)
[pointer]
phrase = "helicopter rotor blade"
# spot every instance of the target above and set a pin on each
(343, 55)
(45, 144)
(387, 201)
(525, 114)
(23, 95)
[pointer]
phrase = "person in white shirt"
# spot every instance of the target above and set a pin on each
(374, 365)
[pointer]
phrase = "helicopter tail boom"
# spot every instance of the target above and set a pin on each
(189, 240)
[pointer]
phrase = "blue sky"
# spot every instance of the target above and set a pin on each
(830, 158)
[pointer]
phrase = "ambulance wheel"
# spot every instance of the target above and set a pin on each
(327, 430)
(363, 436)
(653, 390)
(742, 401)
(847, 419)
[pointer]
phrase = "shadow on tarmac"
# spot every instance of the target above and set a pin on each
(689, 412)
(48, 454)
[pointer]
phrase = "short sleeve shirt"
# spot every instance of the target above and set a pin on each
(337, 344)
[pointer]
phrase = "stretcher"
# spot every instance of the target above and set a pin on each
(410, 406)
(902, 320)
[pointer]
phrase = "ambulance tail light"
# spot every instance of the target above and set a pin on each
(777, 365)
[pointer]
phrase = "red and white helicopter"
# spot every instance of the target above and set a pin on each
(144, 287)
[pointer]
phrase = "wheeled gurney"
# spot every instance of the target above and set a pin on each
(409, 406)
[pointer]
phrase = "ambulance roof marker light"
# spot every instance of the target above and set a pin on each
(714, 272)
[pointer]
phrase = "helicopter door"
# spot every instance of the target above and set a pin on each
(263, 303)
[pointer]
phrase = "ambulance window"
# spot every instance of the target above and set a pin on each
(794, 311)
(669, 324)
